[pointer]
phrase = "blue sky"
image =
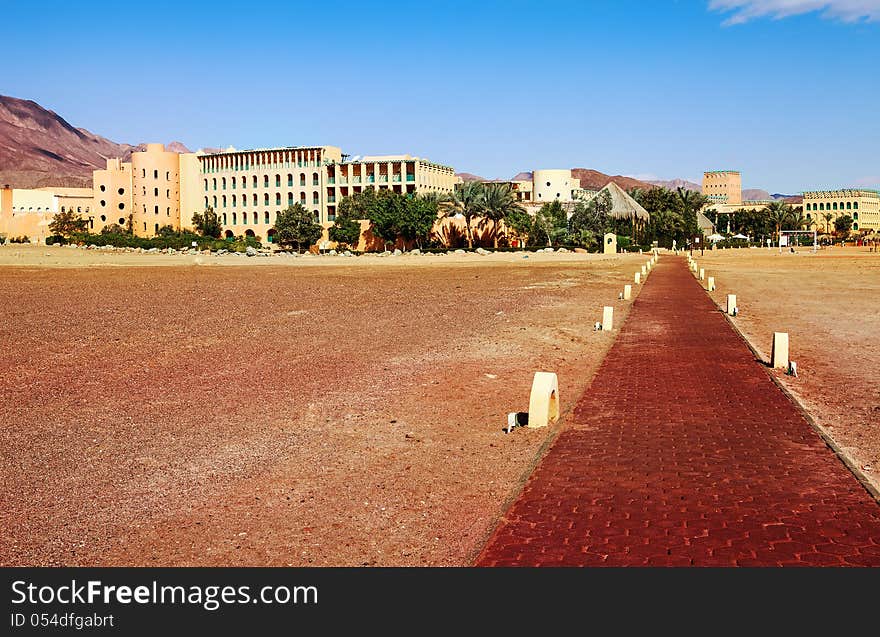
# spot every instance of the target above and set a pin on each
(786, 91)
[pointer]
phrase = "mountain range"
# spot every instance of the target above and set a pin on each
(40, 148)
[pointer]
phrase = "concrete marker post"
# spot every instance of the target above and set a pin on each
(779, 354)
(702, 274)
(731, 304)
(627, 292)
(710, 284)
(607, 318)
(544, 400)
(637, 278)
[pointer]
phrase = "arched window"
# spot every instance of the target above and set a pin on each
(848, 205)
(266, 217)
(266, 199)
(255, 199)
(277, 198)
(224, 218)
(206, 202)
(156, 209)
(855, 205)
(855, 216)
(103, 218)
(290, 199)
(168, 193)
(244, 218)
(155, 192)
(314, 179)
(265, 181)
(233, 201)
(224, 201)
(155, 174)
(302, 198)
(234, 219)
(233, 183)
(315, 198)
(206, 184)
(229, 234)
(167, 176)
(821, 206)
(278, 181)
(255, 181)
(834, 205)
(215, 183)
(302, 179)
(215, 201)
(249, 233)
(224, 183)
(168, 211)
(289, 180)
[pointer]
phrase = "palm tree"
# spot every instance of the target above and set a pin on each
(467, 201)
(778, 212)
(827, 217)
(499, 201)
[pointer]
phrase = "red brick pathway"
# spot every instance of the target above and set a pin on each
(683, 452)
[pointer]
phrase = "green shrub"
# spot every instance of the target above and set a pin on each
(56, 239)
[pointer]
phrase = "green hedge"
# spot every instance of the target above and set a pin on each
(177, 241)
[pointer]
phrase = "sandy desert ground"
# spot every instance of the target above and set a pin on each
(829, 303)
(305, 412)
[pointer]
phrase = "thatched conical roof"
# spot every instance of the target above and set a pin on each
(622, 205)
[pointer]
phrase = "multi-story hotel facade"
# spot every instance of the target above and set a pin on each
(861, 204)
(723, 186)
(249, 188)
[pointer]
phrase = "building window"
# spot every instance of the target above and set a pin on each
(121, 221)
(206, 202)
(266, 199)
(302, 198)
(265, 181)
(290, 199)
(224, 218)
(244, 218)
(155, 192)
(234, 219)
(266, 217)
(849, 205)
(168, 211)
(314, 179)
(255, 181)
(155, 174)
(103, 203)
(255, 199)
(224, 201)
(278, 181)
(167, 176)
(821, 206)
(215, 183)
(215, 201)
(834, 205)
(315, 198)
(289, 180)
(156, 209)
(302, 179)
(233, 183)
(103, 218)
(855, 205)
(121, 191)
(233, 201)
(103, 187)
(224, 183)
(277, 198)
(122, 206)
(206, 185)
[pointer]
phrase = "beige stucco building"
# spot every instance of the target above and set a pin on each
(249, 188)
(27, 212)
(547, 186)
(861, 204)
(723, 186)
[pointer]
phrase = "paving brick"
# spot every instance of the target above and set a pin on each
(683, 452)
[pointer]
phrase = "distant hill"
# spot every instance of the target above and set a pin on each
(469, 177)
(594, 180)
(40, 148)
(673, 184)
(755, 194)
(523, 176)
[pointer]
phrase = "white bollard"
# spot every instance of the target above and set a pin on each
(627, 292)
(544, 400)
(607, 318)
(779, 355)
(710, 284)
(638, 278)
(702, 274)
(731, 304)
(644, 270)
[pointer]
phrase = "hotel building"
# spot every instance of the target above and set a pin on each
(723, 186)
(861, 204)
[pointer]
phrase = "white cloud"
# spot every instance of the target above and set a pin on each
(843, 10)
